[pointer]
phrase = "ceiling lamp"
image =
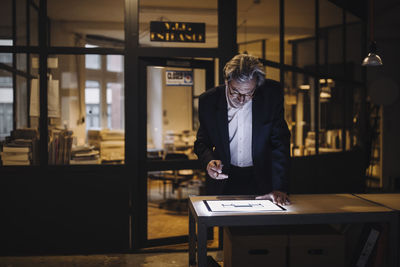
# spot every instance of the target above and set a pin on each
(372, 59)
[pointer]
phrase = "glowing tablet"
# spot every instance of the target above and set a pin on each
(241, 205)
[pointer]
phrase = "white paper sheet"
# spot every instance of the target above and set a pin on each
(242, 205)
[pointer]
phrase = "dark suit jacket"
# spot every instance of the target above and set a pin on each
(270, 137)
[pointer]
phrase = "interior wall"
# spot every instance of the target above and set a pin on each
(65, 211)
(177, 107)
(169, 108)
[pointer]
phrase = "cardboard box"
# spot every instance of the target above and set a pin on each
(312, 246)
(255, 246)
(293, 246)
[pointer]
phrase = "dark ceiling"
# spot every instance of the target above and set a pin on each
(357, 7)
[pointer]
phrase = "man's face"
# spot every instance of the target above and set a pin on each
(240, 93)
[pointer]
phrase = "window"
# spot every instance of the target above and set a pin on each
(115, 107)
(115, 63)
(92, 100)
(6, 106)
(6, 42)
(93, 62)
(6, 58)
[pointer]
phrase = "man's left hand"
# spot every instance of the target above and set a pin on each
(277, 197)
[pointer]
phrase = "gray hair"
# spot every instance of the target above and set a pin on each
(243, 68)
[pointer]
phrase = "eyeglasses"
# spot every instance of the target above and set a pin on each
(235, 93)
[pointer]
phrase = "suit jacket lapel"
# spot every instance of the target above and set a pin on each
(222, 123)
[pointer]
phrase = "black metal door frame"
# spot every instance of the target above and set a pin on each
(146, 165)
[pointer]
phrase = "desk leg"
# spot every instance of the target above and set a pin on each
(201, 245)
(192, 240)
(394, 241)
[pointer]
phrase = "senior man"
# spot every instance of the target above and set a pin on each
(243, 140)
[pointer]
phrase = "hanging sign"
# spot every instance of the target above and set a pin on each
(179, 78)
(166, 31)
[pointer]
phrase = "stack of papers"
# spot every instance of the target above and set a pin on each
(84, 155)
(110, 143)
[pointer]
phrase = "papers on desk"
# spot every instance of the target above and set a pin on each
(241, 205)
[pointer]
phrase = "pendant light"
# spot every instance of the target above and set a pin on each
(372, 59)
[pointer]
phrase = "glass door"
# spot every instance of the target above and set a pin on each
(173, 171)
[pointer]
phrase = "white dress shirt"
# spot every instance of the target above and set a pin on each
(240, 138)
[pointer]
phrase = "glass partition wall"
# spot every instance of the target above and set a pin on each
(318, 77)
(85, 91)
(172, 88)
(85, 52)
(87, 114)
(258, 28)
(19, 102)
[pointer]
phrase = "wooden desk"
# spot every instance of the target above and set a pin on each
(391, 201)
(305, 209)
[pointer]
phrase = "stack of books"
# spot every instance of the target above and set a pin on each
(15, 155)
(20, 148)
(110, 143)
(83, 155)
(60, 144)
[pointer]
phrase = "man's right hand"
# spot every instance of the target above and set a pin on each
(214, 170)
